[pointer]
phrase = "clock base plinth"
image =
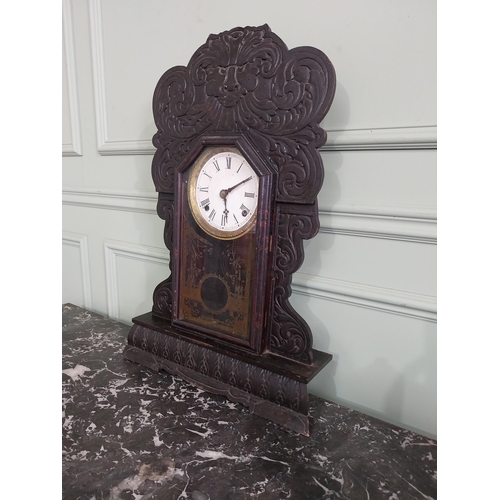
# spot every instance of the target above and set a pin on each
(270, 394)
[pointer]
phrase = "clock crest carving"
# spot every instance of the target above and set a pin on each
(237, 170)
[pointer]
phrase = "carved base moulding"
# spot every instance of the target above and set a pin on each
(269, 386)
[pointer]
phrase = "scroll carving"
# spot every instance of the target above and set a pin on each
(290, 334)
(246, 81)
(162, 295)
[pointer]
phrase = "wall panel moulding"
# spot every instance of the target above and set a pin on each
(80, 241)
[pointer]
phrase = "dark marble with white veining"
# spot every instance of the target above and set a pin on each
(129, 433)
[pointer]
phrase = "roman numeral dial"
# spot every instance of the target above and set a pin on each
(223, 193)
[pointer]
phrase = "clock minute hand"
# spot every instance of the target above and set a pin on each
(224, 192)
(239, 184)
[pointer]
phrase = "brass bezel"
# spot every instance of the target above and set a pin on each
(198, 164)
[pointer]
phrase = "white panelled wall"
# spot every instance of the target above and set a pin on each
(367, 286)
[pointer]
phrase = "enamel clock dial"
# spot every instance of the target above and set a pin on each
(223, 192)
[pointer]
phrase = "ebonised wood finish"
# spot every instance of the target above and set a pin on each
(243, 87)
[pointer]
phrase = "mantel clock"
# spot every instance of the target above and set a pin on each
(238, 171)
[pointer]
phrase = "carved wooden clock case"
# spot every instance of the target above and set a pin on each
(238, 171)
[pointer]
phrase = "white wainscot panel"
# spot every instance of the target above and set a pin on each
(76, 270)
(399, 302)
(126, 67)
(132, 273)
(385, 58)
(381, 194)
(367, 221)
(128, 201)
(385, 97)
(383, 364)
(390, 183)
(375, 262)
(71, 132)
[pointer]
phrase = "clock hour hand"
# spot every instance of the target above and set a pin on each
(225, 213)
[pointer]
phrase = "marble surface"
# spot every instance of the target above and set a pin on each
(129, 433)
